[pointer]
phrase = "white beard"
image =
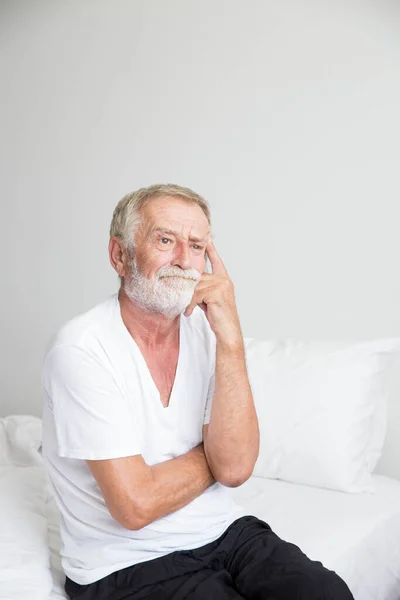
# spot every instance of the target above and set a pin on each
(168, 293)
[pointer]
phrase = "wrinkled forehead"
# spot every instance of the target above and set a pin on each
(177, 217)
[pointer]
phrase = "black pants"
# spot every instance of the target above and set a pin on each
(248, 561)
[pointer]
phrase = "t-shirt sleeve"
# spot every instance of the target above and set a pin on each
(93, 419)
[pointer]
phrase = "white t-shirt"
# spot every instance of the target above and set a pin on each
(101, 402)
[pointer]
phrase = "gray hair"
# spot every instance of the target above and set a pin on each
(127, 217)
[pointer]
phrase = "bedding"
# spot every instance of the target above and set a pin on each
(356, 535)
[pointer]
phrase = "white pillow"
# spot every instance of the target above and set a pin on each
(321, 409)
(20, 440)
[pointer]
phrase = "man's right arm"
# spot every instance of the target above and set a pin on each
(137, 494)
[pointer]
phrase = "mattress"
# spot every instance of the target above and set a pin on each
(356, 535)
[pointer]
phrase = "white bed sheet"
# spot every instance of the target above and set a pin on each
(24, 571)
(356, 535)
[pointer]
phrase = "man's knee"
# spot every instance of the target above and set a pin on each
(324, 585)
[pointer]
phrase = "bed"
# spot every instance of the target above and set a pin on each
(355, 532)
(356, 535)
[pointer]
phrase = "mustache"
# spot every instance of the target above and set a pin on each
(171, 271)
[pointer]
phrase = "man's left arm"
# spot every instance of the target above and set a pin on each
(231, 438)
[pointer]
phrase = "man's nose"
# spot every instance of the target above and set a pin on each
(182, 256)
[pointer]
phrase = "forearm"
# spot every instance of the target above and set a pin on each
(176, 482)
(232, 440)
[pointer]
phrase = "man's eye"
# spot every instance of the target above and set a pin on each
(165, 240)
(196, 247)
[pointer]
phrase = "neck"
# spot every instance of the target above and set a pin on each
(149, 329)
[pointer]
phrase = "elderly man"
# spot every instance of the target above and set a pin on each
(149, 418)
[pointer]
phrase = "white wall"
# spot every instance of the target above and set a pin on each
(285, 115)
